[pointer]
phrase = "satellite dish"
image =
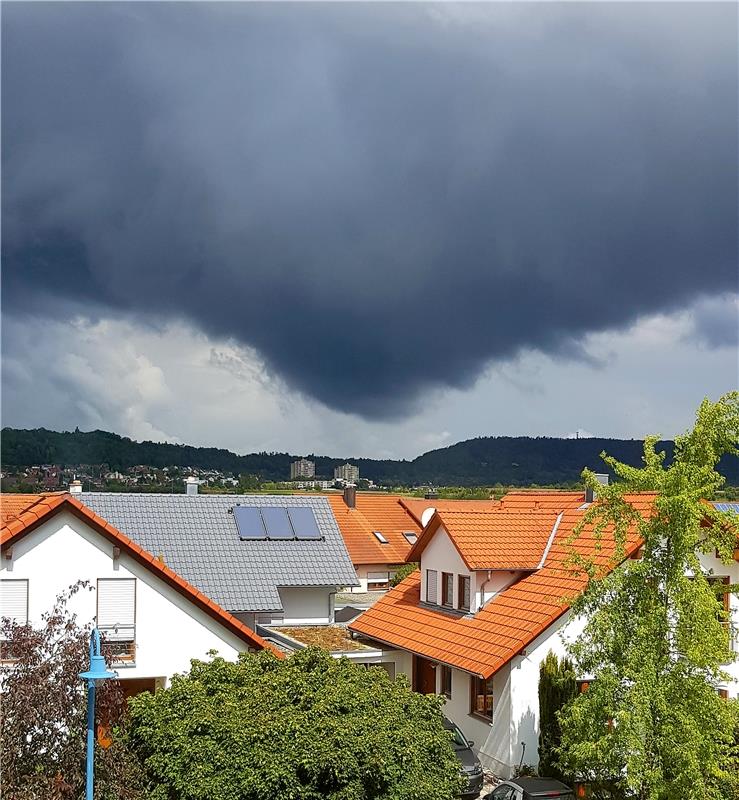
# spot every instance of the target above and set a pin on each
(426, 516)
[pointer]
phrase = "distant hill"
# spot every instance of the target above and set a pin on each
(484, 461)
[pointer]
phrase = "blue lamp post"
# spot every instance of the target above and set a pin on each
(97, 672)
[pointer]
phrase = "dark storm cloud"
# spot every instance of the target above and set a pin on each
(379, 199)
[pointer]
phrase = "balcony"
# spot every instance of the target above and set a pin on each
(119, 644)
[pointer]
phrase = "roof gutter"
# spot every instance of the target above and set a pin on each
(550, 541)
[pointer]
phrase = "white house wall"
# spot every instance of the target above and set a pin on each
(488, 583)
(170, 630)
(306, 605)
(441, 555)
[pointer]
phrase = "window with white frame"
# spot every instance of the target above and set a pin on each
(116, 616)
(14, 600)
(379, 580)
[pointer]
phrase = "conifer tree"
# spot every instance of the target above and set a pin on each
(557, 687)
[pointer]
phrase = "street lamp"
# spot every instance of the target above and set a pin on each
(97, 672)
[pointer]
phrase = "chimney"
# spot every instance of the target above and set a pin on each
(590, 494)
(191, 485)
(75, 487)
(350, 495)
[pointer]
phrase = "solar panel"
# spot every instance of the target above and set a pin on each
(249, 523)
(277, 523)
(727, 507)
(304, 522)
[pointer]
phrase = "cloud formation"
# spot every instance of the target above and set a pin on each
(379, 200)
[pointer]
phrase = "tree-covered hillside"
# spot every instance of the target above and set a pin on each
(476, 462)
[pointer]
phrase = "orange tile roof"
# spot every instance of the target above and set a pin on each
(416, 506)
(48, 505)
(374, 512)
(507, 624)
(11, 505)
(493, 539)
(542, 500)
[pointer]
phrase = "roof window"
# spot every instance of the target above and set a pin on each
(410, 537)
(380, 538)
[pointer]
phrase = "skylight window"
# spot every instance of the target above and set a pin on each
(410, 537)
(380, 538)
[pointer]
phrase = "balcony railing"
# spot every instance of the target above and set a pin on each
(119, 643)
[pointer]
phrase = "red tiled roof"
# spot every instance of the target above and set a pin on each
(493, 539)
(543, 501)
(11, 505)
(483, 643)
(416, 506)
(48, 505)
(374, 512)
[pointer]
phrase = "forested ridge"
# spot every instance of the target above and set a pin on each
(487, 460)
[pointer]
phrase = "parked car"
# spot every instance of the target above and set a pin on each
(469, 763)
(530, 788)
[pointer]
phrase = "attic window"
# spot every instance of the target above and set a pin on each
(380, 538)
(411, 538)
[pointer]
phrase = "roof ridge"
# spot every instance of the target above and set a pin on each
(12, 531)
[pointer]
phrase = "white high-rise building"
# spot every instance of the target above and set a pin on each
(302, 468)
(347, 472)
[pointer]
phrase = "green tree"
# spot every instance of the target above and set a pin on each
(557, 687)
(308, 727)
(402, 571)
(651, 724)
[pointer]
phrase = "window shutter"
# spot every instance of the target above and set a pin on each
(14, 600)
(431, 586)
(116, 616)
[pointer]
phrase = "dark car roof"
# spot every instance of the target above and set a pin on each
(536, 785)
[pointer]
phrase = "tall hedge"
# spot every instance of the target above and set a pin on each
(557, 686)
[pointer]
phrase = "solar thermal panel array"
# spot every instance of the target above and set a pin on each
(276, 523)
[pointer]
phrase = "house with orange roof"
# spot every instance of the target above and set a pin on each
(152, 620)
(491, 598)
(378, 531)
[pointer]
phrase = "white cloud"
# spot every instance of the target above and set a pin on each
(175, 384)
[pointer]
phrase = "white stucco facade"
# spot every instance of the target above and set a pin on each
(306, 605)
(169, 629)
(512, 735)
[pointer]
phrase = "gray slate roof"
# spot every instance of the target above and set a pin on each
(198, 539)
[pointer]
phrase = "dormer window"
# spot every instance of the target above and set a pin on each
(380, 538)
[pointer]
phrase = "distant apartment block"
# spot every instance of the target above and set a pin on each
(302, 468)
(347, 472)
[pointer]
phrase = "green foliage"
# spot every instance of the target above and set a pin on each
(484, 461)
(402, 571)
(308, 727)
(651, 724)
(557, 687)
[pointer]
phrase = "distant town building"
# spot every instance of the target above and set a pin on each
(347, 472)
(302, 468)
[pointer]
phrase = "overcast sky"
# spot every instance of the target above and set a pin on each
(367, 229)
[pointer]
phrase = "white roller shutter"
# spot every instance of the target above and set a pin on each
(116, 617)
(14, 600)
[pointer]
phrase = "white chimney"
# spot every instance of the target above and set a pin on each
(191, 485)
(591, 495)
(75, 487)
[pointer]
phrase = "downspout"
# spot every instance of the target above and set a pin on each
(482, 592)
